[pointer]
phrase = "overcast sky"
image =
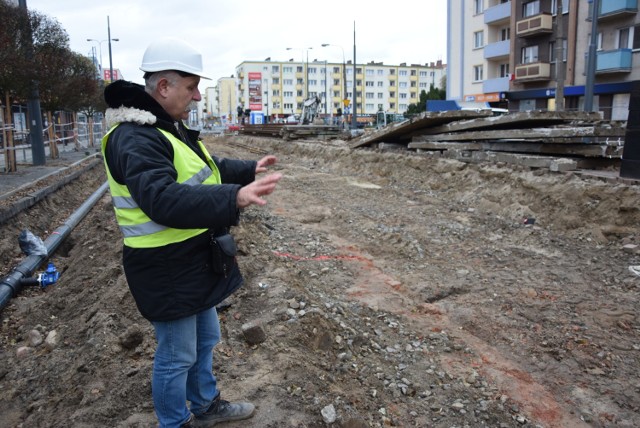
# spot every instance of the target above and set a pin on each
(232, 31)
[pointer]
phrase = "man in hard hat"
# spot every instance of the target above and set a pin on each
(175, 204)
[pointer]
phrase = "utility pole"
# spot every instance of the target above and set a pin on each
(560, 68)
(354, 120)
(110, 60)
(591, 57)
(33, 104)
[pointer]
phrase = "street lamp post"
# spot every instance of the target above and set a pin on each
(267, 104)
(354, 114)
(344, 71)
(100, 48)
(110, 61)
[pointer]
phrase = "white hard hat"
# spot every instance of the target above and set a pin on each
(172, 54)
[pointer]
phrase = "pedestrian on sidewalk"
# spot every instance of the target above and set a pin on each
(175, 204)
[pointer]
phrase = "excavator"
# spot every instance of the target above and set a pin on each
(309, 110)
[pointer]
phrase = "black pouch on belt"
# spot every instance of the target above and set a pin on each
(223, 254)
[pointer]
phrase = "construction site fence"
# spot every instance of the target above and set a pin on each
(68, 137)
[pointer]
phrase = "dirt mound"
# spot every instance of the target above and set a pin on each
(393, 289)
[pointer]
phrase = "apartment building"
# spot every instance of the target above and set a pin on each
(504, 52)
(278, 89)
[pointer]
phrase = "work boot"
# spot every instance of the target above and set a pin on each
(191, 422)
(224, 411)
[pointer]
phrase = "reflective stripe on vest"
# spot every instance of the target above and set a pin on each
(138, 229)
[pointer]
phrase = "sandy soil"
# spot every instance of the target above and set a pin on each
(393, 290)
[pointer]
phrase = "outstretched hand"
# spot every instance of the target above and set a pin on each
(251, 193)
(264, 163)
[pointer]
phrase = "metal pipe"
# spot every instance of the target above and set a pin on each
(11, 285)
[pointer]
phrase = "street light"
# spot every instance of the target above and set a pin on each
(344, 71)
(306, 83)
(267, 104)
(100, 47)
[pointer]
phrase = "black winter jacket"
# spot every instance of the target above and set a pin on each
(174, 281)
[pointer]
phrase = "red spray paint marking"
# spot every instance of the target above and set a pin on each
(319, 258)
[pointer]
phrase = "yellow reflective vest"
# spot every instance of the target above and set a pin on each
(138, 229)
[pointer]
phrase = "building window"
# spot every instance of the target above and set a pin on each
(554, 6)
(369, 83)
(402, 84)
(403, 96)
(478, 7)
(370, 72)
(423, 73)
(529, 54)
(380, 84)
(625, 36)
(392, 71)
(552, 51)
(598, 40)
(478, 39)
(336, 94)
(288, 94)
(392, 94)
(313, 82)
(504, 70)
(276, 80)
(478, 73)
(636, 37)
(299, 69)
(287, 69)
(413, 73)
(402, 73)
(275, 69)
(380, 72)
(505, 33)
(380, 95)
(287, 82)
(531, 8)
(369, 95)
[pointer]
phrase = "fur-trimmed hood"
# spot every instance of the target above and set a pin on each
(129, 102)
(128, 114)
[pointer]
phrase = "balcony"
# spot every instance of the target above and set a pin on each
(614, 61)
(535, 25)
(533, 72)
(617, 8)
(497, 50)
(498, 14)
(499, 84)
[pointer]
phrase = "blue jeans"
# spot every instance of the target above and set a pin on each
(182, 367)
